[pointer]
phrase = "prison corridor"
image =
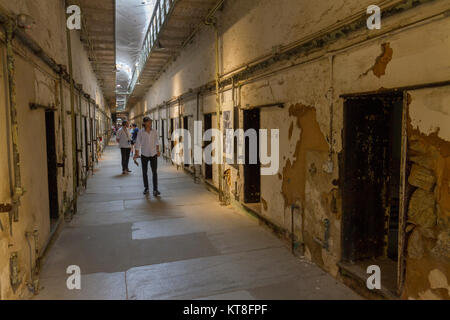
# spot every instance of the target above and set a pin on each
(182, 245)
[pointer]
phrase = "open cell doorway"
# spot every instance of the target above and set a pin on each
(186, 155)
(163, 137)
(252, 171)
(52, 167)
(372, 180)
(208, 167)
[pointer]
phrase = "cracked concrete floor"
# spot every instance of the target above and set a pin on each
(183, 245)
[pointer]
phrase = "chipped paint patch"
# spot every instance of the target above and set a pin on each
(381, 62)
(294, 173)
(425, 272)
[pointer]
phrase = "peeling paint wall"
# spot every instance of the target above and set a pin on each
(428, 230)
(36, 83)
(309, 85)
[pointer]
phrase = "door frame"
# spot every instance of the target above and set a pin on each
(403, 211)
(401, 263)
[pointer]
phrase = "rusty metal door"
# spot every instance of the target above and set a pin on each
(52, 164)
(367, 175)
(252, 172)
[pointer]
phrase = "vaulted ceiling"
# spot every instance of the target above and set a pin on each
(181, 22)
(98, 36)
(114, 32)
(132, 20)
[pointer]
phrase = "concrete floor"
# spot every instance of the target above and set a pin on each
(183, 245)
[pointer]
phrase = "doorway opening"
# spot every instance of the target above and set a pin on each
(92, 144)
(172, 143)
(252, 172)
(78, 149)
(186, 155)
(371, 183)
(86, 145)
(52, 167)
(208, 126)
(163, 136)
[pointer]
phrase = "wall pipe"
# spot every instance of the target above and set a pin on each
(212, 21)
(72, 112)
(80, 151)
(211, 13)
(18, 190)
(91, 125)
(63, 119)
(94, 129)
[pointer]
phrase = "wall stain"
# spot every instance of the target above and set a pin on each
(381, 62)
(264, 203)
(294, 173)
(291, 129)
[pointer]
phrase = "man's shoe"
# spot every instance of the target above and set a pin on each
(124, 172)
(146, 191)
(128, 170)
(156, 193)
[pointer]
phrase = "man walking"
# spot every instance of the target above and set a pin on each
(147, 145)
(124, 140)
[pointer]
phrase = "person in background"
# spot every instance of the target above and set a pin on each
(134, 134)
(147, 145)
(124, 140)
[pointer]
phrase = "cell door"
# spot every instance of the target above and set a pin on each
(186, 151)
(371, 176)
(86, 145)
(252, 171)
(163, 135)
(172, 143)
(208, 167)
(52, 165)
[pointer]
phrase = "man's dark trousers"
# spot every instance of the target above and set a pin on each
(154, 165)
(125, 158)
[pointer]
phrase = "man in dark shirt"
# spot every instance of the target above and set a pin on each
(134, 134)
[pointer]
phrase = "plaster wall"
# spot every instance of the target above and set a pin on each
(37, 83)
(310, 86)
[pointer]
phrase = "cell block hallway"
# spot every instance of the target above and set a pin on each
(294, 150)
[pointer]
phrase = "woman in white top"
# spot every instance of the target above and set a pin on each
(124, 140)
